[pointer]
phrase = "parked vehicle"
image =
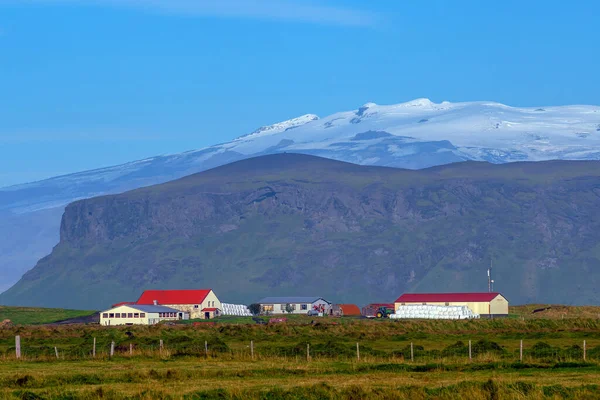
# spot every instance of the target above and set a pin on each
(384, 312)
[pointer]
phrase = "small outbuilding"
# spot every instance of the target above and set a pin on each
(345, 310)
(296, 305)
(136, 314)
(484, 304)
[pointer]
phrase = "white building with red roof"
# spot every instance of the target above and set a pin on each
(484, 304)
(198, 303)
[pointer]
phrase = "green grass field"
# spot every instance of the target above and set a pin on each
(305, 358)
(36, 315)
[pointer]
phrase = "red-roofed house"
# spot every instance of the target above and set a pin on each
(202, 304)
(480, 303)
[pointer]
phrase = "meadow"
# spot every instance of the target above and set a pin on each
(236, 358)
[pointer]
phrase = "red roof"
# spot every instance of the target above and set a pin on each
(446, 297)
(209, 309)
(173, 296)
(123, 303)
(349, 309)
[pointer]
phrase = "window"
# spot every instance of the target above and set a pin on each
(196, 306)
(117, 315)
(304, 307)
(143, 315)
(424, 304)
(105, 315)
(282, 306)
(447, 303)
(111, 315)
(130, 315)
(136, 315)
(267, 307)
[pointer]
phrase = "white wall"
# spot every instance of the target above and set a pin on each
(124, 309)
(298, 307)
(195, 310)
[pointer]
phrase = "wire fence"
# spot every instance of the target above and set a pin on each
(460, 351)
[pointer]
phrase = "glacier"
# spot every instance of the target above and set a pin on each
(415, 134)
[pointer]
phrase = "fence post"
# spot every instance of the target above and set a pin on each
(470, 356)
(206, 348)
(521, 351)
(130, 349)
(252, 349)
(412, 352)
(584, 350)
(18, 346)
(112, 348)
(56, 352)
(94, 349)
(161, 346)
(357, 352)
(307, 351)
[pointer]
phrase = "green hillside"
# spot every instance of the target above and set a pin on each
(35, 315)
(299, 225)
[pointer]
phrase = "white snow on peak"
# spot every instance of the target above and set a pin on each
(281, 126)
(422, 102)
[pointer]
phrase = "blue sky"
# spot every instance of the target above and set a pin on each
(92, 83)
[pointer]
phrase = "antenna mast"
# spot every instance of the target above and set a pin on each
(490, 281)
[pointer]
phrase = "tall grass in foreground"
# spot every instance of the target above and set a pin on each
(488, 390)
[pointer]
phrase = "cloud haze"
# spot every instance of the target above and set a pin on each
(288, 10)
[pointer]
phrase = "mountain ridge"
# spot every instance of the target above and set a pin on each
(289, 224)
(416, 134)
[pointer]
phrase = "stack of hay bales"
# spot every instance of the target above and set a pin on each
(433, 312)
(239, 310)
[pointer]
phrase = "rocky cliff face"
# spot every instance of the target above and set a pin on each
(301, 225)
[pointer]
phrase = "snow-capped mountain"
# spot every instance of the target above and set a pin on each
(416, 134)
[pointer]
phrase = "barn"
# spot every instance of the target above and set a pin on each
(345, 310)
(202, 303)
(484, 304)
(134, 314)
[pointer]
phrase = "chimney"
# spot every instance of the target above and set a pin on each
(155, 302)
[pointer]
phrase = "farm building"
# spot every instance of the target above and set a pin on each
(135, 314)
(299, 305)
(484, 304)
(202, 304)
(345, 310)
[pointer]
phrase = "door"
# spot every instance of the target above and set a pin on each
(207, 315)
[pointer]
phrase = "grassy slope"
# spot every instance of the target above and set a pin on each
(289, 380)
(280, 370)
(540, 241)
(32, 315)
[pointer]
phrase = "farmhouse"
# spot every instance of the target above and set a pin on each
(202, 304)
(297, 305)
(484, 304)
(135, 314)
